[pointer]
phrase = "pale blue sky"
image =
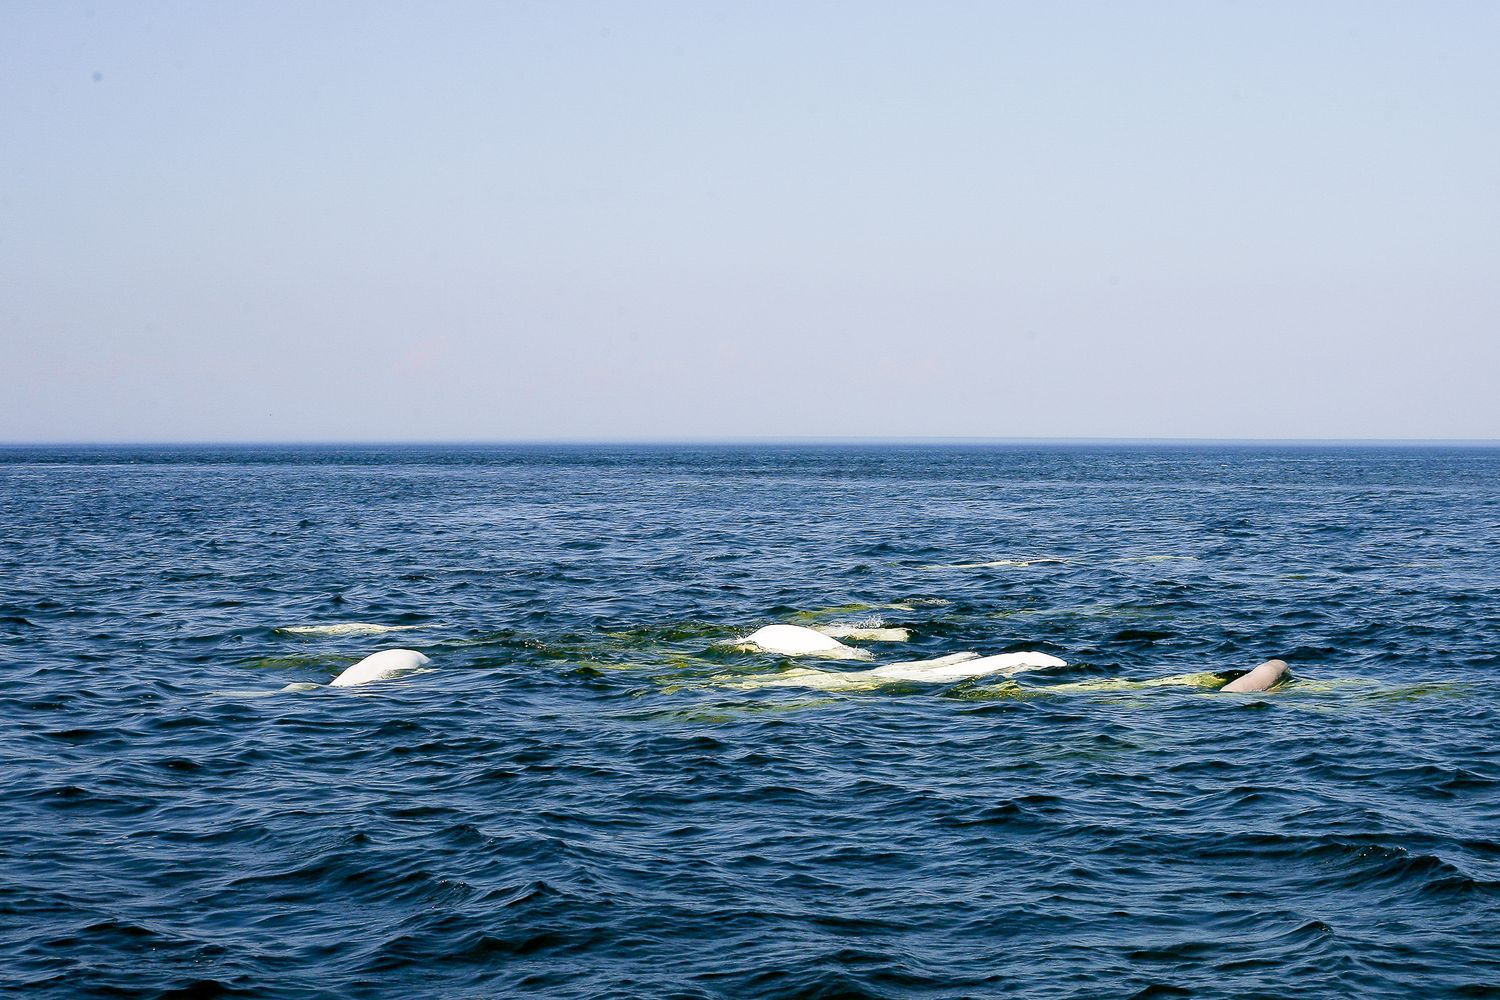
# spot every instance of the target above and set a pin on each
(500, 221)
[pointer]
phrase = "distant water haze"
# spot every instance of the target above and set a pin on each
(682, 221)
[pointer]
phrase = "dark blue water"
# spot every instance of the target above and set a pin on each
(578, 800)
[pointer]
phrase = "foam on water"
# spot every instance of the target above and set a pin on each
(865, 633)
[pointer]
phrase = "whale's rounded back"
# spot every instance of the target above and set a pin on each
(794, 640)
(1015, 663)
(1262, 678)
(380, 666)
(963, 666)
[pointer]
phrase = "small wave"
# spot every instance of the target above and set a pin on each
(1149, 559)
(245, 694)
(346, 628)
(997, 563)
(1050, 561)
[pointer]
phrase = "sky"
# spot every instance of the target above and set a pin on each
(701, 220)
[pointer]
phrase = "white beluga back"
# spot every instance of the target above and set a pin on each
(381, 666)
(794, 640)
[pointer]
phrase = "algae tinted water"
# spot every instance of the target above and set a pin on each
(580, 799)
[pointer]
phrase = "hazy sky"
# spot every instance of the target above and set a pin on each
(643, 220)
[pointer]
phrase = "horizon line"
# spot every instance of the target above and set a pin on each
(743, 441)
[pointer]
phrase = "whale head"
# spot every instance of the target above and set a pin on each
(1262, 678)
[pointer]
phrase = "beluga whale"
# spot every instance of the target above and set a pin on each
(941, 670)
(795, 640)
(1265, 677)
(1262, 678)
(381, 666)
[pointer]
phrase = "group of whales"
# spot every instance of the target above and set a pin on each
(797, 640)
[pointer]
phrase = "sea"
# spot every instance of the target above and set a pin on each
(595, 789)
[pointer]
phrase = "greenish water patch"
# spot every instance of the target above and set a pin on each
(301, 661)
(647, 635)
(1207, 681)
(1008, 690)
(1339, 692)
(817, 614)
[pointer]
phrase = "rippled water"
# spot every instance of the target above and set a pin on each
(581, 798)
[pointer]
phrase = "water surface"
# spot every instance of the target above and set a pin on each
(580, 800)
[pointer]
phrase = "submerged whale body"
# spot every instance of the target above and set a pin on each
(345, 628)
(962, 666)
(794, 640)
(380, 666)
(865, 633)
(1264, 677)
(942, 670)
